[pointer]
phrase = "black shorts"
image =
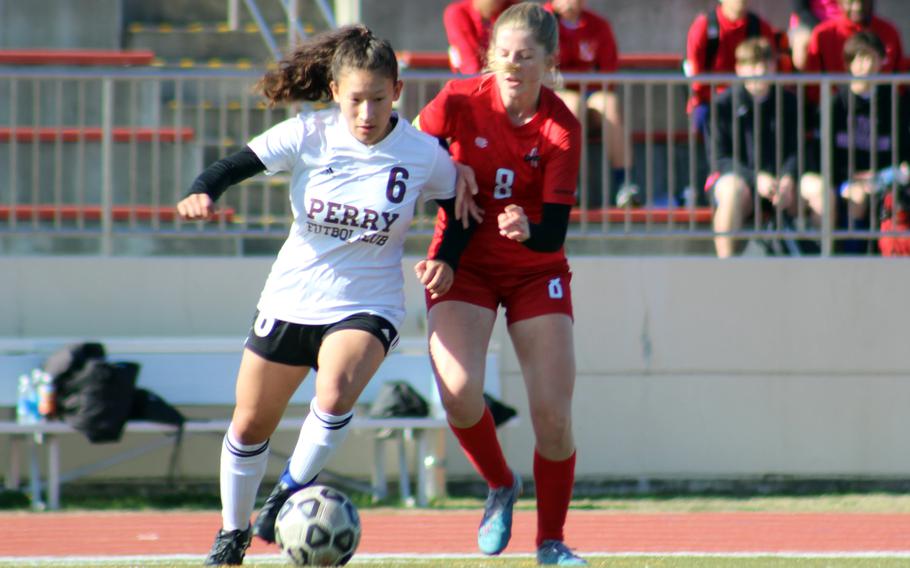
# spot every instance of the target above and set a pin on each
(297, 344)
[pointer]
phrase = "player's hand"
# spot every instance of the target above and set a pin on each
(435, 275)
(465, 190)
(196, 207)
(513, 223)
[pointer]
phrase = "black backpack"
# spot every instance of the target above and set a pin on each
(99, 399)
(398, 399)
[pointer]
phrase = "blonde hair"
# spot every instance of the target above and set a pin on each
(531, 17)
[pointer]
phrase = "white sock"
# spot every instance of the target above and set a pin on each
(242, 469)
(320, 435)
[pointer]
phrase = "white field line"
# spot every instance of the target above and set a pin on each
(278, 559)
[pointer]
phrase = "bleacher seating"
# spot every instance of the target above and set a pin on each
(81, 57)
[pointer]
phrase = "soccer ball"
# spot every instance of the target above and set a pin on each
(318, 526)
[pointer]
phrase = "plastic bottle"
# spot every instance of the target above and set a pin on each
(47, 397)
(26, 401)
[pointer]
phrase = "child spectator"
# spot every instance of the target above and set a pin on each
(855, 166)
(826, 46)
(750, 163)
(468, 24)
(806, 15)
(587, 45)
(711, 44)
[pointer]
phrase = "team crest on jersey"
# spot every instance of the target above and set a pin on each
(481, 142)
(586, 51)
(533, 157)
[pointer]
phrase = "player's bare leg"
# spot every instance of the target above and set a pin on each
(459, 339)
(545, 349)
(348, 359)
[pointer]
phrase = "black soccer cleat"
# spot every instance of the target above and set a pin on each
(229, 547)
(264, 527)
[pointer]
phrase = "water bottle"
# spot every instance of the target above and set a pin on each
(26, 402)
(47, 397)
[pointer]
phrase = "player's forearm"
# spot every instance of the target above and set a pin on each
(216, 178)
(455, 237)
(550, 234)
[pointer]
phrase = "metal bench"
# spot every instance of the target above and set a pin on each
(194, 371)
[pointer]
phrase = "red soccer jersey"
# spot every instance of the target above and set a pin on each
(527, 165)
(587, 46)
(469, 36)
(732, 33)
(826, 48)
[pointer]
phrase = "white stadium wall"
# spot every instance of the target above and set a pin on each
(687, 367)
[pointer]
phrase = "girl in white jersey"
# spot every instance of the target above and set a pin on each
(333, 300)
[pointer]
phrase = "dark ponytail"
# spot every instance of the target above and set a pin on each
(306, 74)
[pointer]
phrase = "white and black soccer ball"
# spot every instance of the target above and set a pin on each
(318, 526)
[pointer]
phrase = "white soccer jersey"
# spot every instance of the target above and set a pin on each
(352, 206)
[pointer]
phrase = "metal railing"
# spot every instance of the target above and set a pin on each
(107, 155)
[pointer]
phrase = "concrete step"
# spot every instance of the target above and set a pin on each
(188, 11)
(175, 44)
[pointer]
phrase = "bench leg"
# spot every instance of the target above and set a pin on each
(53, 472)
(431, 472)
(34, 474)
(380, 485)
(404, 477)
(12, 479)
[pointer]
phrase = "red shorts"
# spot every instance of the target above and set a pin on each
(524, 296)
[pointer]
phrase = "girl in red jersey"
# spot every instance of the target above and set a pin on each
(524, 147)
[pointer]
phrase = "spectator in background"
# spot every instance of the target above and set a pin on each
(587, 45)
(826, 46)
(806, 15)
(731, 23)
(468, 24)
(750, 164)
(854, 175)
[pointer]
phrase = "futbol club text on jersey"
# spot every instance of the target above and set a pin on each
(332, 219)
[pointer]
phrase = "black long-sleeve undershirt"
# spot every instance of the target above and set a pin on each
(454, 237)
(550, 234)
(216, 178)
(233, 169)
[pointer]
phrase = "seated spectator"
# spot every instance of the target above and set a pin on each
(826, 46)
(806, 15)
(753, 166)
(468, 24)
(587, 45)
(711, 44)
(852, 170)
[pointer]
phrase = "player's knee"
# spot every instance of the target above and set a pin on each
(552, 424)
(730, 189)
(248, 428)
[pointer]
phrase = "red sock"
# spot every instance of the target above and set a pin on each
(481, 445)
(554, 481)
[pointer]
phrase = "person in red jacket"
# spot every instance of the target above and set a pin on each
(468, 24)
(733, 19)
(826, 47)
(806, 15)
(587, 45)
